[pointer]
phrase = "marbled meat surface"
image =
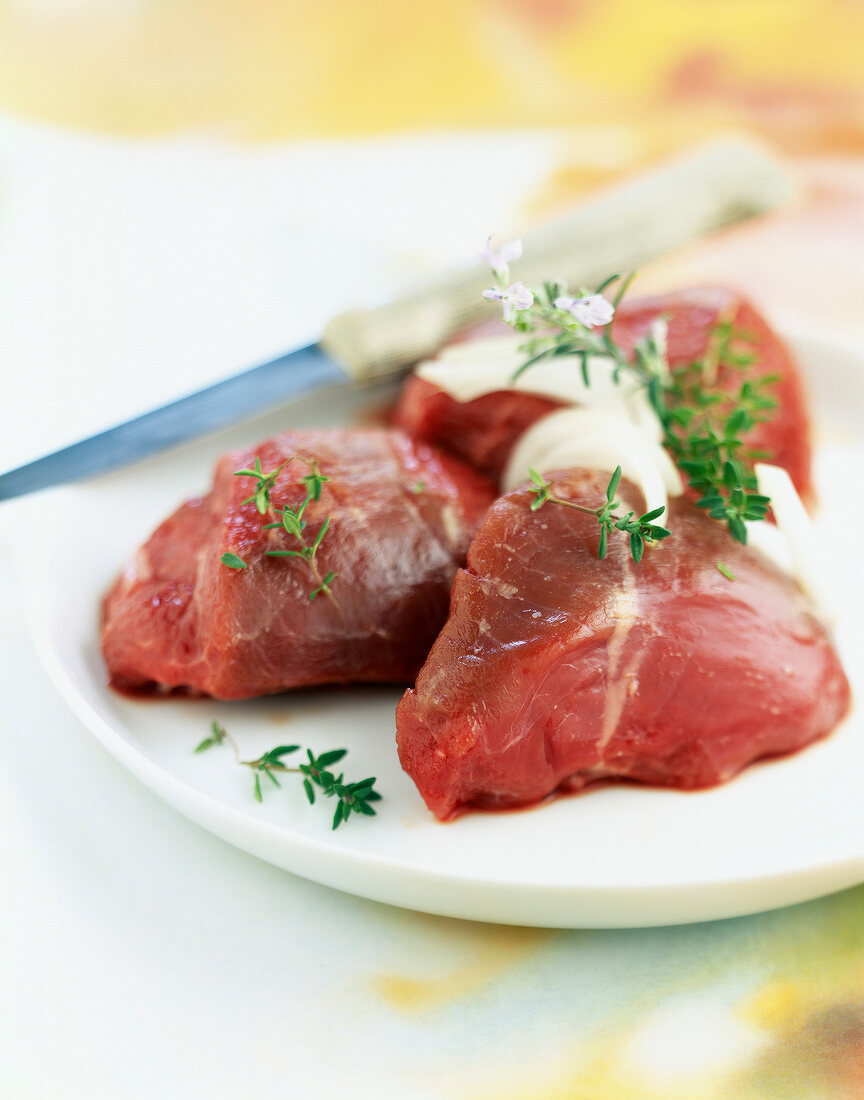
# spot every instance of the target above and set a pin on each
(556, 670)
(402, 515)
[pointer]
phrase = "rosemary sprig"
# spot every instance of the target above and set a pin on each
(703, 424)
(642, 530)
(559, 331)
(317, 776)
(290, 520)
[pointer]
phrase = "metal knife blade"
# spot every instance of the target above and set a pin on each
(227, 402)
(617, 229)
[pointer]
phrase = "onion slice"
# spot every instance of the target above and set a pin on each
(804, 552)
(477, 367)
(595, 440)
(609, 424)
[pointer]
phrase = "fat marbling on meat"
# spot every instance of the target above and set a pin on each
(402, 516)
(556, 670)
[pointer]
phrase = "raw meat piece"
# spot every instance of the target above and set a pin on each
(693, 315)
(556, 670)
(483, 431)
(402, 517)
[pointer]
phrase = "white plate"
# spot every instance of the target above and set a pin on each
(782, 832)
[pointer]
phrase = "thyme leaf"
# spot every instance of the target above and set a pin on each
(641, 530)
(290, 520)
(703, 429)
(233, 561)
(350, 798)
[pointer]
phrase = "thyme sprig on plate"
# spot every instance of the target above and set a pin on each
(316, 771)
(703, 423)
(290, 520)
(641, 529)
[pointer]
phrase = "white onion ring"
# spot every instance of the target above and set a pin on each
(597, 441)
(802, 545)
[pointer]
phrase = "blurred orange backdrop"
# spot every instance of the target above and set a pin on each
(625, 80)
(269, 69)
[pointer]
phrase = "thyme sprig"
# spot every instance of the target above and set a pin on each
(703, 428)
(703, 423)
(264, 484)
(641, 529)
(290, 520)
(317, 775)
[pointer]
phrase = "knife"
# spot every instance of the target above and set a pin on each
(616, 230)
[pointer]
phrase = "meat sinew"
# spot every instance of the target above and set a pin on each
(556, 670)
(484, 431)
(401, 517)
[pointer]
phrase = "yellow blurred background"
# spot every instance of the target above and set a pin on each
(628, 80)
(270, 69)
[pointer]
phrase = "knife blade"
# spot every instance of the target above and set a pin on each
(618, 229)
(227, 402)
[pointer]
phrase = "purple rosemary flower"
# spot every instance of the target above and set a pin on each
(592, 310)
(515, 298)
(500, 261)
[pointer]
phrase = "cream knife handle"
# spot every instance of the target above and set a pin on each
(614, 231)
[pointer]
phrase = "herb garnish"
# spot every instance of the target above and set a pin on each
(642, 531)
(703, 426)
(264, 484)
(233, 561)
(702, 423)
(289, 519)
(351, 797)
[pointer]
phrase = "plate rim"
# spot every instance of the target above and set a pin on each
(668, 902)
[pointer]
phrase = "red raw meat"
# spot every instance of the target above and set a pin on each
(483, 431)
(692, 316)
(179, 618)
(556, 670)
